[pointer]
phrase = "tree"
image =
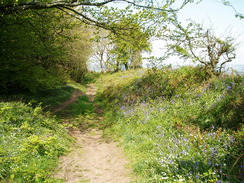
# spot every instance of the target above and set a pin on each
(129, 45)
(34, 40)
(78, 50)
(101, 46)
(28, 54)
(127, 54)
(237, 14)
(122, 50)
(100, 13)
(202, 46)
(35, 50)
(38, 29)
(136, 60)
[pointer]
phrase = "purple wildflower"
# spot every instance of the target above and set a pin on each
(242, 166)
(213, 151)
(211, 134)
(231, 138)
(229, 88)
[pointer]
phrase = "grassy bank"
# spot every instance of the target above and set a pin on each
(31, 138)
(31, 142)
(47, 99)
(177, 126)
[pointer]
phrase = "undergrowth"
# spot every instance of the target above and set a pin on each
(176, 125)
(46, 98)
(31, 142)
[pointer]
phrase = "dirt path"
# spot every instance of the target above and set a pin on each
(93, 159)
(72, 99)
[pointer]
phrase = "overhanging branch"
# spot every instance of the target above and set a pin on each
(13, 8)
(156, 8)
(80, 16)
(19, 7)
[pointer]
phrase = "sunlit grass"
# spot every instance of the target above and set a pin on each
(177, 126)
(30, 143)
(31, 140)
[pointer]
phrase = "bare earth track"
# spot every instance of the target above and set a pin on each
(72, 99)
(93, 159)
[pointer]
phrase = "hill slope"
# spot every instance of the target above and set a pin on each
(177, 126)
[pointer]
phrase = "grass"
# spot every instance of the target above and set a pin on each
(82, 106)
(177, 126)
(31, 142)
(46, 98)
(81, 114)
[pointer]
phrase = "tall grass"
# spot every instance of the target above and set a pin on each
(177, 126)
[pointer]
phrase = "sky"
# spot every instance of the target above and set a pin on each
(211, 13)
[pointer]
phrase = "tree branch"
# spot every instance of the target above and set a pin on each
(13, 8)
(37, 5)
(89, 21)
(189, 43)
(230, 58)
(155, 8)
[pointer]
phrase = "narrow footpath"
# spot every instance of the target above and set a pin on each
(93, 159)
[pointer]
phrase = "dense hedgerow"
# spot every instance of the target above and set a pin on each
(30, 143)
(178, 126)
